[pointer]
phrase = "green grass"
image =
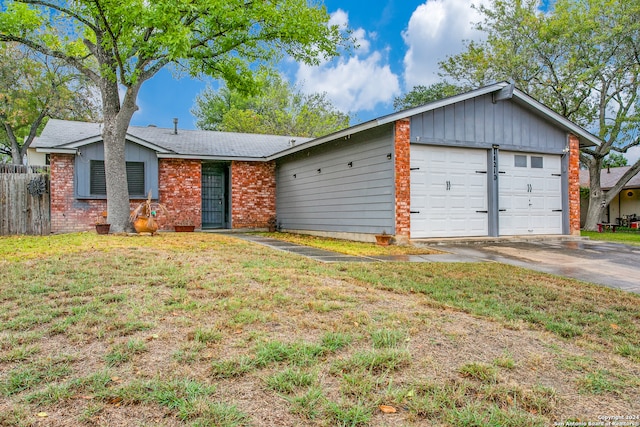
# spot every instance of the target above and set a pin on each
(204, 329)
(620, 236)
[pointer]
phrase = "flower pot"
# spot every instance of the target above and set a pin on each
(145, 225)
(103, 228)
(184, 228)
(383, 239)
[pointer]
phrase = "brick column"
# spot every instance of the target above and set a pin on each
(253, 194)
(402, 155)
(180, 191)
(574, 185)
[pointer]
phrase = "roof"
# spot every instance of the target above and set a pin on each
(502, 91)
(67, 136)
(609, 177)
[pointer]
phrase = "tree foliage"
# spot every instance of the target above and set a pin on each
(34, 88)
(581, 58)
(614, 160)
(276, 109)
(421, 95)
(120, 44)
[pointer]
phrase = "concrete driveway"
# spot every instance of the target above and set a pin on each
(610, 264)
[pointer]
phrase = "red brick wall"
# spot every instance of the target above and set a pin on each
(403, 180)
(69, 214)
(574, 185)
(253, 194)
(180, 191)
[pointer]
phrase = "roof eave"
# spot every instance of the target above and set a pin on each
(212, 158)
(56, 150)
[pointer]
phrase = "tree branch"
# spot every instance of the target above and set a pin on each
(114, 39)
(74, 62)
(61, 9)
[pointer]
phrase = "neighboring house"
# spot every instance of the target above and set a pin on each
(489, 162)
(626, 204)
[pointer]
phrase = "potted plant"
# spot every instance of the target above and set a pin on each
(272, 224)
(184, 226)
(144, 215)
(383, 239)
(101, 224)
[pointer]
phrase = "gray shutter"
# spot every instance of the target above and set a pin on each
(135, 178)
(97, 181)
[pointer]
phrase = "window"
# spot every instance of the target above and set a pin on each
(98, 183)
(520, 161)
(536, 162)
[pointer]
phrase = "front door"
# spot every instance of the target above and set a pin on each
(214, 206)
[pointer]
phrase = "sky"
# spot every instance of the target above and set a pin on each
(400, 43)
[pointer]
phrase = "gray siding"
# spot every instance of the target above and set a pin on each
(478, 122)
(339, 198)
(133, 153)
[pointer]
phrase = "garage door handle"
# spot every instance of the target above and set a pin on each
(556, 174)
(414, 211)
(482, 211)
(481, 171)
(556, 210)
(502, 210)
(414, 169)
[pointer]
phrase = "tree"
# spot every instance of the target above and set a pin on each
(581, 58)
(614, 160)
(32, 89)
(276, 109)
(421, 95)
(120, 44)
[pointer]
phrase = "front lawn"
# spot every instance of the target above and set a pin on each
(626, 236)
(200, 329)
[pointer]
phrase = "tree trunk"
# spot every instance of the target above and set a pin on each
(16, 153)
(116, 122)
(596, 211)
(116, 176)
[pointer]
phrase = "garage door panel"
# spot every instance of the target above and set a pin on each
(530, 198)
(452, 192)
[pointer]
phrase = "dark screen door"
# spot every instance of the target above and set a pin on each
(213, 196)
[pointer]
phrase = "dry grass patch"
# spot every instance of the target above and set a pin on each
(199, 329)
(349, 247)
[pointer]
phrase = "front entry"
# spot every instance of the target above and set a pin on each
(214, 195)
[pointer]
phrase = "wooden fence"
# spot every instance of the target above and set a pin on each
(24, 200)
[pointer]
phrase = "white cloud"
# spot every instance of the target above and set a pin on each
(437, 29)
(360, 82)
(353, 85)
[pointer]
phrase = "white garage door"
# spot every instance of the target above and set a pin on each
(530, 194)
(448, 192)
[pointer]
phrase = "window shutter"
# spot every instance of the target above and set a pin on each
(135, 178)
(97, 181)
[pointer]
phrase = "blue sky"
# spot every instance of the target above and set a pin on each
(401, 42)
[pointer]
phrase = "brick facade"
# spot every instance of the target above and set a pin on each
(69, 214)
(253, 194)
(402, 155)
(574, 185)
(180, 191)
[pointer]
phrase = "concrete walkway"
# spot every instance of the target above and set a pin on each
(330, 256)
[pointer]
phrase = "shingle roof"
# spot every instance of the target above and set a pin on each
(197, 143)
(609, 178)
